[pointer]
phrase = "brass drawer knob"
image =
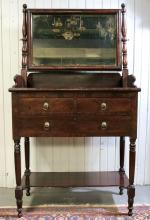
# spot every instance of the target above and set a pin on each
(45, 106)
(46, 125)
(104, 125)
(103, 106)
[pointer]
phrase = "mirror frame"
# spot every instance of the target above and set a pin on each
(31, 12)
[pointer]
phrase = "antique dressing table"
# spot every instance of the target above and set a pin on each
(74, 82)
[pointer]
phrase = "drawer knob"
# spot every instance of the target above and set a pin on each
(103, 106)
(46, 125)
(45, 106)
(104, 125)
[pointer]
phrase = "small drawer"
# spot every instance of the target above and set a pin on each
(43, 127)
(43, 106)
(104, 105)
(104, 126)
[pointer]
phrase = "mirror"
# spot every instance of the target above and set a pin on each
(74, 40)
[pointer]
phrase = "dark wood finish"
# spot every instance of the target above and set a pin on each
(19, 81)
(131, 187)
(76, 179)
(122, 151)
(27, 164)
(18, 190)
(35, 106)
(76, 126)
(73, 103)
(72, 80)
(74, 113)
(124, 47)
(95, 105)
(24, 47)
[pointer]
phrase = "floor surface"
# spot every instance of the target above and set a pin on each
(88, 195)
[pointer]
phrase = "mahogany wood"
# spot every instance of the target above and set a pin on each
(122, 151)
(73, 103)
(27, 164)
(76, 179)
(124, 47)
(24, 46)
(18, 190)
(131, 188)
(72, 80)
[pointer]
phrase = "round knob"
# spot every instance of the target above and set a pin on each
(45, 106)
(103, 106)
(46, 125)
(103, 125)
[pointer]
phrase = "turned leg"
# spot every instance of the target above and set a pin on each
(18, 190)
(27, 165)
(121, 170)
(131, 187)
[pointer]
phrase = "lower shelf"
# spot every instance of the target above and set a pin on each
(75, 179)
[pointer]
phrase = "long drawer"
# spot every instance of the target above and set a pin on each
(83, 125)
(46, 106)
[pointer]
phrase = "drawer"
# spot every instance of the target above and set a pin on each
(105, 126)
(104, 105)
(43, 106)
(81, 126)
(44, 126)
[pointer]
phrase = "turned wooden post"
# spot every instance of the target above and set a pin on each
(18, 190)
(122, 151)
(124, 47)
(27, 165)
(24, 46)
(131, 187)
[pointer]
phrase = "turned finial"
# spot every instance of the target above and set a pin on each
(24, 46)
(123, 6)
(24, 6)
(124, 46)
(124, 37)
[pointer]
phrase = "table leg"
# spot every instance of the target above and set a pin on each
(18, 190)
(131, 187)
(27, 165)
(121, 170)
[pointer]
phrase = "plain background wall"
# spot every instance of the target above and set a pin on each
(75, 154)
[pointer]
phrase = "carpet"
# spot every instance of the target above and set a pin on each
(78, 212)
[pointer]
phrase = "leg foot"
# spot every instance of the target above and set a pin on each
(28, 192)
(27, 175)
(131, 194)
(19, 195)
(120, 190)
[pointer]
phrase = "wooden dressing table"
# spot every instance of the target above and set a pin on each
(62, 92)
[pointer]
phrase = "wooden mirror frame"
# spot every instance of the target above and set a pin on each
(30, 12)
(122, 64)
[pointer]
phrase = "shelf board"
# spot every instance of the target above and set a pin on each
(76, 179)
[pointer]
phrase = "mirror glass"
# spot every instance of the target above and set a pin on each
(73, 40)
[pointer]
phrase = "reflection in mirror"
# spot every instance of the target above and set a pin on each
(74, 40)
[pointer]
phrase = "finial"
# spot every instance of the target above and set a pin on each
(123, 7)
(24, 6)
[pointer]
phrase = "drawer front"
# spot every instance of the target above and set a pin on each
(104, 105)
(105, 126)
(81, 126)
(43, 106)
